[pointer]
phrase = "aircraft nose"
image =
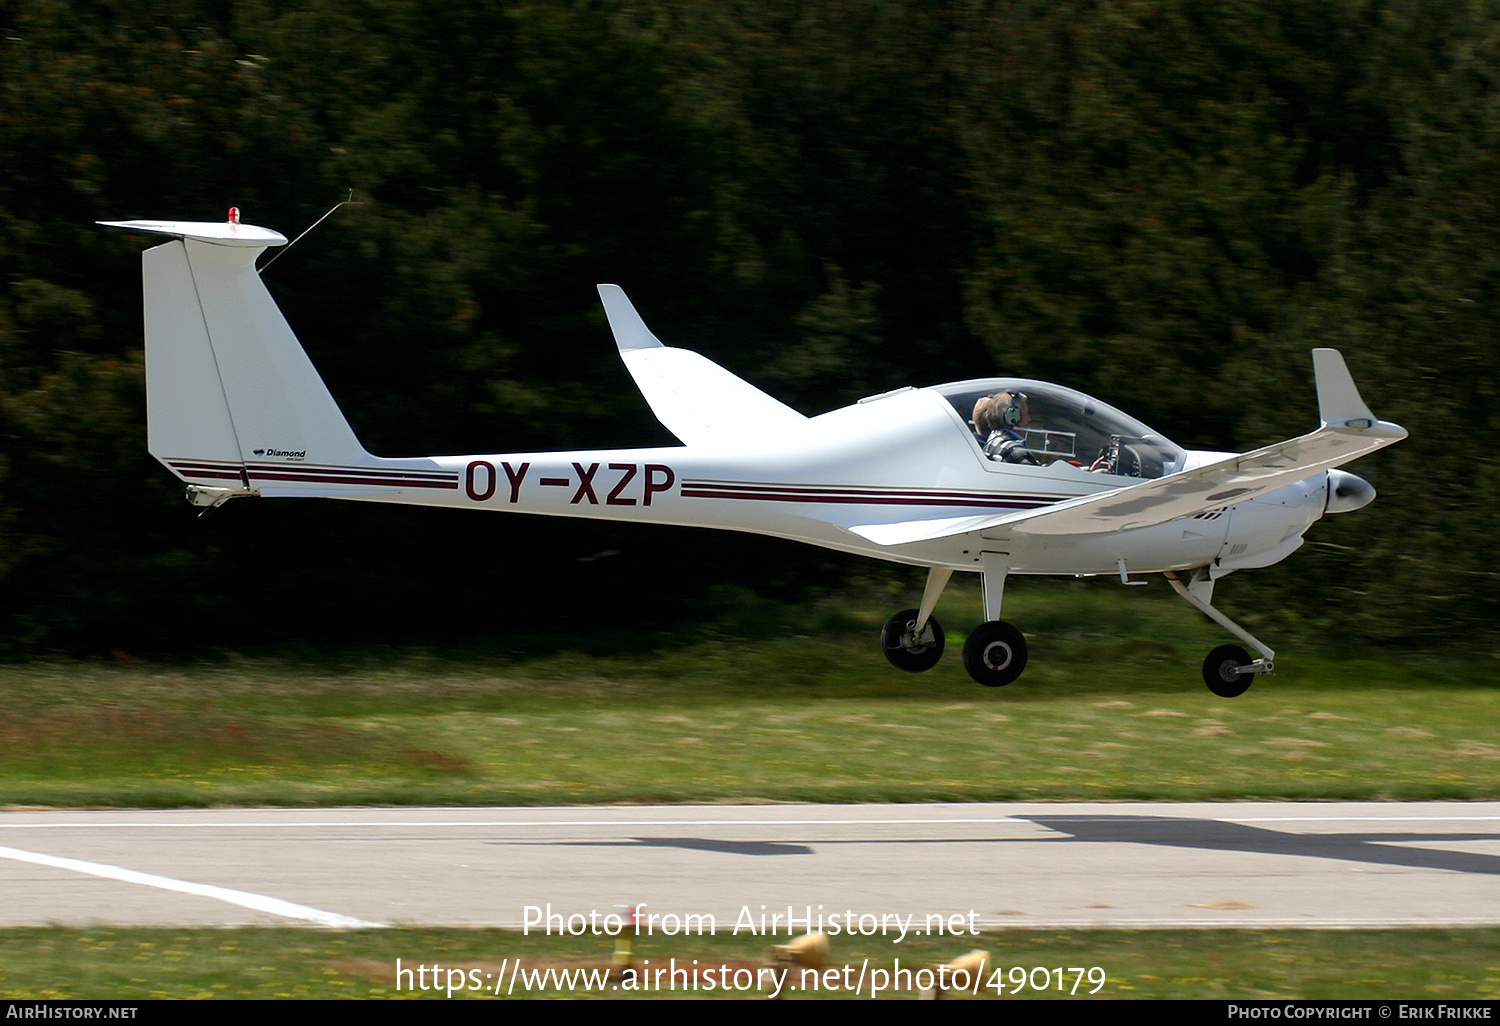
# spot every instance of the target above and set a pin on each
(1347, 492)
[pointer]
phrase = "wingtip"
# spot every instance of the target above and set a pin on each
(1339, 401)
(630, 331)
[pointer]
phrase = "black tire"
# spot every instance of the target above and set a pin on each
(913, 658)
(995, 653)
(1220, 675)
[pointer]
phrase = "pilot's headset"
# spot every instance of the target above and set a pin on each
(1011, 415)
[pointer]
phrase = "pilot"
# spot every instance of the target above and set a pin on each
(1001, 420)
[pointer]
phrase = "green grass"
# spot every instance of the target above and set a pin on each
(139, 964)
(777, 705)
(769, 705)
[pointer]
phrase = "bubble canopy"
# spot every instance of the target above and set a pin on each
(1058, 423)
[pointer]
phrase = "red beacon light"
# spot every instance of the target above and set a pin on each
(234, 215)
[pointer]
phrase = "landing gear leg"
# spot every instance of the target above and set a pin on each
(912, 640)
(1228, 671)
(995, 653)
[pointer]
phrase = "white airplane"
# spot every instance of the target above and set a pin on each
(997, 476)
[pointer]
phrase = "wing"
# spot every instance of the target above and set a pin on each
(696, 399)
(1349, 431)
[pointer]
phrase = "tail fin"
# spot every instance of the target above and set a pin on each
(229, 390)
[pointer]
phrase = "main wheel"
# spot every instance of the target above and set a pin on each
(907, 652)
(1221, 673)
(995, 653)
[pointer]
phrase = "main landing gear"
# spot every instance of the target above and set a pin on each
(912, 640)
(910, 649)
(995, 652)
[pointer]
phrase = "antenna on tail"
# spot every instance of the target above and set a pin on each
(234, 216)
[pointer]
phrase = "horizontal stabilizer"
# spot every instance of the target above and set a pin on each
(220, 233)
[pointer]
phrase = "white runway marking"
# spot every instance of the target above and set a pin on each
(257, 902)
(297, 824)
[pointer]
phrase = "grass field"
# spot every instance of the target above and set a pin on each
(771, 705)
(142, 964)
(757, 714)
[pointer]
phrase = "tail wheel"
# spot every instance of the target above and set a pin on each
(995, 653)
(1221, 671)
(906, 650)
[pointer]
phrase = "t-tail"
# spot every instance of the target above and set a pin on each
(234, 406)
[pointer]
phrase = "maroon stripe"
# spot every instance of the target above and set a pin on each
(223, 467)
(728, 488)
(869, 500)
(353, 479)
(214, 474)
(304, 468)
(329, 479)
(913, 497)
(315, 475)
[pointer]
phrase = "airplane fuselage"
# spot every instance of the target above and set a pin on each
(901, 457)
(997, 475)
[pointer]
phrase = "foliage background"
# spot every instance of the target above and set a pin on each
(1165, 204)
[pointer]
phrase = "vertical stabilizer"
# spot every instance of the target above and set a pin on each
(229, 389)
(187, 414)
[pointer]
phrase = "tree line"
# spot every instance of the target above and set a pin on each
(1164, 204)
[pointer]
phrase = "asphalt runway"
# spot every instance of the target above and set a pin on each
(976, 866)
